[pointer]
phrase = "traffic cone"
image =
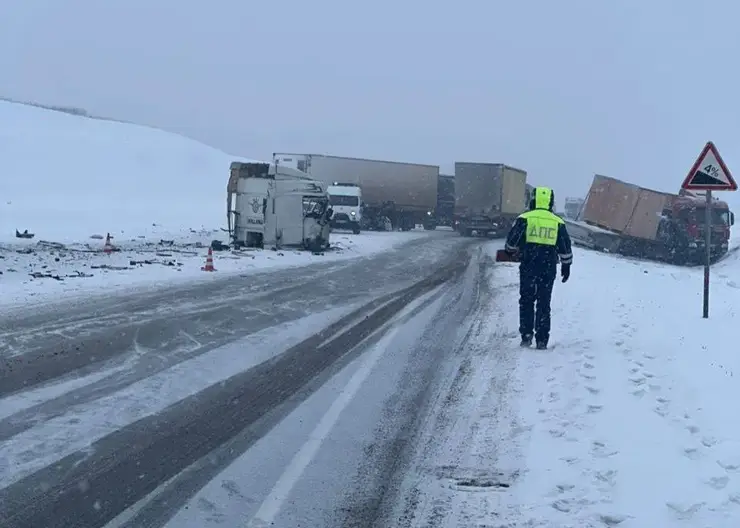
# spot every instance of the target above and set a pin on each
(108, 247)
(209, 262)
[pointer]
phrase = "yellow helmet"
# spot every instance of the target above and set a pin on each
(542, 198)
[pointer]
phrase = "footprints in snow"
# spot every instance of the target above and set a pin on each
(587, 372)
(642, 380)
(593, 462)
(723, 457)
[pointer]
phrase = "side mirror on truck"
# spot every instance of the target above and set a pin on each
(732, 218)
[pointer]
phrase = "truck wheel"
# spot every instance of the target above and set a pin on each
(356, 229)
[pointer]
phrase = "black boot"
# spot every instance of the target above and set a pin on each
(541, 345)
(526, 340)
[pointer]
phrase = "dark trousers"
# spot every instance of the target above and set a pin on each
(535, 288)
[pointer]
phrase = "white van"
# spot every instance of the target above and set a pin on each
(346, 201)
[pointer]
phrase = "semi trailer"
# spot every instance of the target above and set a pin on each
(488, 198)
(400, 193)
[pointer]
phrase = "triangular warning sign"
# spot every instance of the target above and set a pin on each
(709, 173)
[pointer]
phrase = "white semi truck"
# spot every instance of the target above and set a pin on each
(277, 207)
(403, 193)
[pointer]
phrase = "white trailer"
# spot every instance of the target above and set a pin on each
(403, 192)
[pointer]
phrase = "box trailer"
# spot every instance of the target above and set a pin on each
(402, 193)
(488, 197)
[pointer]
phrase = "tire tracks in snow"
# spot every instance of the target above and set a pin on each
(161, 330)
(89, 489)
(384, 495)
(464, 426)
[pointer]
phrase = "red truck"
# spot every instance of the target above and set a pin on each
(655, 225)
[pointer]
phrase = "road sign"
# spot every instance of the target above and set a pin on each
(709, 172)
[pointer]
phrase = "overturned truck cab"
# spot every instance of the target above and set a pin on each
(277, 207)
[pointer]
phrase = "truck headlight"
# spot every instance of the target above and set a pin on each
(429, 213)
(353, 213)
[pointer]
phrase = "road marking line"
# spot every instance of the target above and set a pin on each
(270, 507)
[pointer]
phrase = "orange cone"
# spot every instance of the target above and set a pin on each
(209, 262)
(108, 247)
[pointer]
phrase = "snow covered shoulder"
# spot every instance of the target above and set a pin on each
(45, 271)
(629, 419)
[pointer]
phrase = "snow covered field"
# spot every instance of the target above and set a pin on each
(66, 178)
(629, 420)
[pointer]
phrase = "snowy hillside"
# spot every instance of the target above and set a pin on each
(65, 178)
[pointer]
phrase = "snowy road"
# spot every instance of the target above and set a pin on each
(45, 344)
(166, 345)
(415, 410)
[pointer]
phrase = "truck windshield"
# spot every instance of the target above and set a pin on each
(339, 199)
(696, 216)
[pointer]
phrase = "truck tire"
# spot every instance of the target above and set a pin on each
(356, 229)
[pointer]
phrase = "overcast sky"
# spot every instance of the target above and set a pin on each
(627, 88)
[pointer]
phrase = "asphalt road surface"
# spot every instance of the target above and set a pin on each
(146, 473)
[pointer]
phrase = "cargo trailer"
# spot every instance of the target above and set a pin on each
(401, 194)
(488, 197)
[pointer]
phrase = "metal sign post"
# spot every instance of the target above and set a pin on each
(709, 173)
(707, 251)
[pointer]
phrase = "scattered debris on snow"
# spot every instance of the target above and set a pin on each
(41, 271)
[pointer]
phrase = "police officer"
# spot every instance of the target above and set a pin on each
(540, 236)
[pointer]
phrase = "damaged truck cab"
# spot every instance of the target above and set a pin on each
(682, 228)
(277, 207)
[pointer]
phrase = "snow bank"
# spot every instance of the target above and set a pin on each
(65, 178)
(629, 419)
